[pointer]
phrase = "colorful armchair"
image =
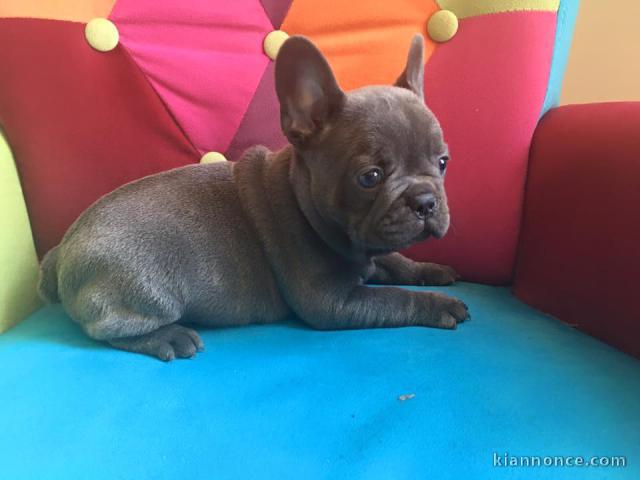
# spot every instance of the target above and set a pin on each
(544, 200)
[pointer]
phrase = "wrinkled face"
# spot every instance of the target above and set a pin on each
(378, 172)
(373, 159)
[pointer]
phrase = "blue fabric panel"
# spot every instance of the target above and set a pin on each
(283, 401)
(566, 21)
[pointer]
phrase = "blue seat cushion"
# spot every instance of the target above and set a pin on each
(284, 401)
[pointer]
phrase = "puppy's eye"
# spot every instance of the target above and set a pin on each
(370, 178)
(442, 163)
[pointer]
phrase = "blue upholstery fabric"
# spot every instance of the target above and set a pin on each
(567, 13)
(283, 401)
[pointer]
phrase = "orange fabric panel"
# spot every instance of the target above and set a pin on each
(365, 41)
(73, 10)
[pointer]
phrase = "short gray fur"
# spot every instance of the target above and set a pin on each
(277, 233)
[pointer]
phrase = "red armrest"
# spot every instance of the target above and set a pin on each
(579, 253)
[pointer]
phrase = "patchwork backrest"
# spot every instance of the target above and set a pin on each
(89, 105)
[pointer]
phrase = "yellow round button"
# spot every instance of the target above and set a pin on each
(272, 43)
(213, 157)
(101, 34)
(442, 25)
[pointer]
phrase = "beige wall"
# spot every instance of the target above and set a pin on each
(604, 61)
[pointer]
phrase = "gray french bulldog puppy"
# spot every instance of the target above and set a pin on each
(298, 231)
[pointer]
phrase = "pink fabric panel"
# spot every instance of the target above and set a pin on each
(204, 59)
(487, 87)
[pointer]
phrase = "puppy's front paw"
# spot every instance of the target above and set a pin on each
(435, 274)
(448, 312)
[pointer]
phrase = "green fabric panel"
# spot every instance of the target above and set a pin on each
(18, 261)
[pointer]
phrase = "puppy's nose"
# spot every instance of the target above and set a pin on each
(424, 204)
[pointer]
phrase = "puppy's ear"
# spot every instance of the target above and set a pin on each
(413, 76)
(308, 93)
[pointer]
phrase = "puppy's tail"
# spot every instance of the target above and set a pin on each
(48, 283)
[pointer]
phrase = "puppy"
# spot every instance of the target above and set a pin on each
(298, 231)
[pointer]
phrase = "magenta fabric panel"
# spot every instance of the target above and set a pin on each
(276, 10)
(204, 58)
(261, 123)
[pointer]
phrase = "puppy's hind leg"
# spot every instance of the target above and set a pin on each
(151, 330)
(166, 343)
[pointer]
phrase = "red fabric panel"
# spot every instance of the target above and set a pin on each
(579, 256)
(80, 122)
(487, 87)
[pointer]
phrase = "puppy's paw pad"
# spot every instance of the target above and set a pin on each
(459, 311)
(448, 322)
(453, 312)
(185, 342)
(165, 352)
(195, 338)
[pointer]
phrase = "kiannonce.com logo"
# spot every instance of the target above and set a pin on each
(515, 461)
